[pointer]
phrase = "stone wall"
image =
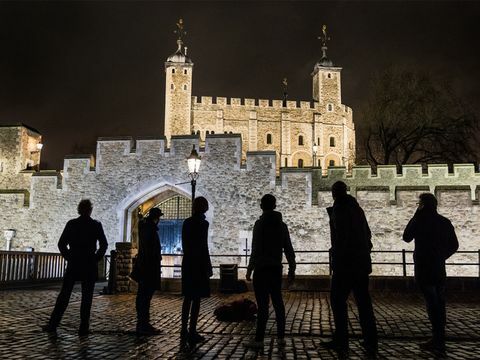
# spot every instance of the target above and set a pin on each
(254, 119)
(128, 173)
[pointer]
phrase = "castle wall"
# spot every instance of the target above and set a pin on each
(127, 172)
(255, 119)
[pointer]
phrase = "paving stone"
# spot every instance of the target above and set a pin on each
(401, 317)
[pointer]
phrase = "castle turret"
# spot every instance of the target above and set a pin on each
(178, 89)
(326, 79)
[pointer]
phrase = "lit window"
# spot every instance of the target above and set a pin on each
(300, 163)
(269, 138)
(300, 140)
(332, 141)
(331, 163)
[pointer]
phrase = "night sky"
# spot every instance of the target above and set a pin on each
(79, 70)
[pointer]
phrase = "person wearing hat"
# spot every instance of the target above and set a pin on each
(146, 271)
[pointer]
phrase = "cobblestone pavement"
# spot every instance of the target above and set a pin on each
(401, 318)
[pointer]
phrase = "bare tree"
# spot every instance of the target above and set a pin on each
(411, 119)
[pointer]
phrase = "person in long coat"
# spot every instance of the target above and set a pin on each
(146, 271)
(196, 269)
(435, 242)
(78, 245)
(351, 265)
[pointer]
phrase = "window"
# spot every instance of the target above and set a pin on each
(173, 71)
(330, 107)
(207, 132)
(332, 141)
(300, 163)
(329, 75)
(300, 140)
(171, 86)
(184, 87)
(198, 132)
(269, 138)
(185, 71)
(318, 141)
(286, 162)
(331, 163)
(319, 163)
(213, 132)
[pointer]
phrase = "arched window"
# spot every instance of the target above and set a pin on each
(319, 163)
(300, 163)
(185, 71)
(193, 132)
(318, 141)
(213, 132)
(207, 132)
(198, 132)
(269, 138)
(286, 162)
(332, 141)
(330, 107)
(329, 75)
(300, 140)
(331, 163)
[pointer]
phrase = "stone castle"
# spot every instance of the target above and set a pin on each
(318, 133)
(128, 177)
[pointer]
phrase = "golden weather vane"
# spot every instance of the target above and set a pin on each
(324, 37)
(180, 31)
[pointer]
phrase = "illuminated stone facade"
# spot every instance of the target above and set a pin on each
(290, 128)
(128, 174)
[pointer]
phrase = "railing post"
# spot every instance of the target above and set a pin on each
(404, 262)
(330, 261)
(112, 273)
(246, 251)
(478, 262)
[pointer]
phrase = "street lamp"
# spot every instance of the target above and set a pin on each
(315, 149)
(39, 148)
(193, 162)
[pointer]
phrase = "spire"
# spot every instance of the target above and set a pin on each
(324, 38)
(180, 34)
(180, 56)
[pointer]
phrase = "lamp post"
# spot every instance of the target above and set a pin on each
(315, 149)
(9, 235)
(193, 162)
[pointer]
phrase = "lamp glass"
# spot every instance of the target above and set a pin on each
(39, 146)
(315, 148)
(193, 161)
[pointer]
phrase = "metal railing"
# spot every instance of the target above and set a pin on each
(242, 260)
(31, 267)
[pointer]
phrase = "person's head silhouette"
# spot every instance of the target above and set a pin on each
(154, 215)
(427, 202)
(85, 207)
(339, 189)
(268, 202)
(200, 205)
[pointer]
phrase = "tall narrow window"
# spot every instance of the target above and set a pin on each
(329, 75)
(184, 87)
(269, 138)
(286, 162)
(330, 107)
(319, 163)
(171, 86)
(318, 141)
(331, 163)
(173, 71)
(185, 71)
(332, 141)
(300, 163)
(300, 140)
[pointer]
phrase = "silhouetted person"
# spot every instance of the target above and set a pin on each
(270, 240)
(196, 269)
(351, 266)
(435, 242)
(146, 271)
(78, 245)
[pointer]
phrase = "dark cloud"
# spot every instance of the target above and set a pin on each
(79, 70)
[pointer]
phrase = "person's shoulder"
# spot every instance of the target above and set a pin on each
(444, 220)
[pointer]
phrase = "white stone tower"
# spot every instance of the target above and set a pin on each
(178, 89)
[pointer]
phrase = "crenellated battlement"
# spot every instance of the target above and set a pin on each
(256, 103)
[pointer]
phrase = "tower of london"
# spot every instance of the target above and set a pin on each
(318, 133)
